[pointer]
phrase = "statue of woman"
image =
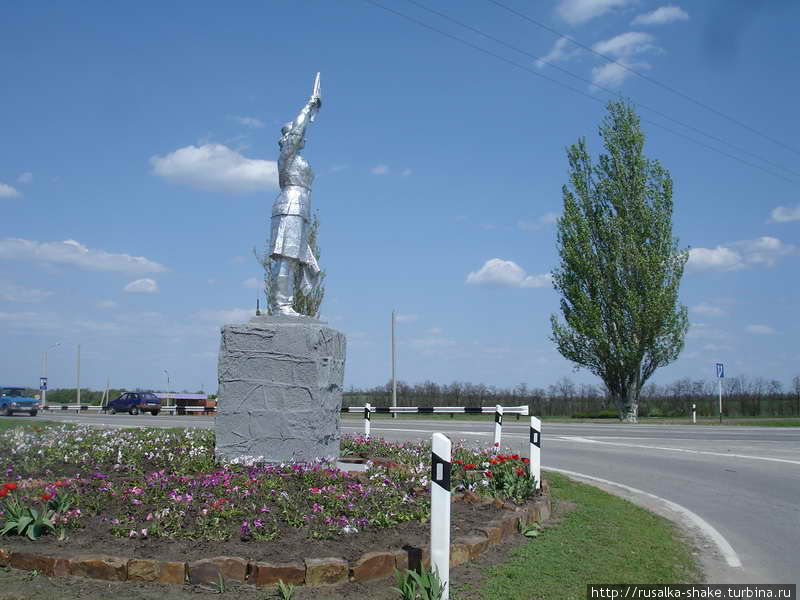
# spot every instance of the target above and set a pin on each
(289, 249)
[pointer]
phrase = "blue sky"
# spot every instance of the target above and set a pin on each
(137, 172)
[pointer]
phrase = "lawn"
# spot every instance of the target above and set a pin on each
(598, 538)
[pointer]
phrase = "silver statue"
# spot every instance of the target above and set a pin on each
(289, 249)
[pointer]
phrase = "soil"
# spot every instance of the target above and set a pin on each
(292, 544)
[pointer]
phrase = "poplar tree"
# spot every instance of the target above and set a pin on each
(620, 267)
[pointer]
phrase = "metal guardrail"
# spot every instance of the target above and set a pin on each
(468, 410)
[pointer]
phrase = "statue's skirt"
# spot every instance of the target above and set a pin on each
(289, 237)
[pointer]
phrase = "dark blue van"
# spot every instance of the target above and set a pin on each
(13, 400)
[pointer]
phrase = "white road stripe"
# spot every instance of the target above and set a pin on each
(684, 450)
(704, 526)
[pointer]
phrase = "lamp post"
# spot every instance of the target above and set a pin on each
(44, 372)
(167, 372)
(78, 377)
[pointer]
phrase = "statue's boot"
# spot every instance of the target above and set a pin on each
(283, 293)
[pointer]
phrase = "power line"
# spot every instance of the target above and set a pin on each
(600, 87)
(646, 77)
(566, 86)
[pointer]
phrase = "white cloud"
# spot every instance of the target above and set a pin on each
(760, 330)
(406, 318)
(70, 252)
(6, 191)
(26, 177)
(763, 251)
(435, 331)
(782, 214)
(708, 310)
(12, 292)
(252, 283)
(223, 317)
(424, 343)
(562, 50)
(701, 331)
(337, 168)
(580, 11)
(380, 170)
(661, 16)
(142, 286)
(497, 271)
(106, 304)
(549, 218)
(248, 121)
(216, 167)
(717, 259)
(406, 172)
(613, 74)
(622, 48)
(626, 44)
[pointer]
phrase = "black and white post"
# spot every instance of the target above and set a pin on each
(440, 510)
(498, 426)
(694, 413)
(367, 411)
(535, 450)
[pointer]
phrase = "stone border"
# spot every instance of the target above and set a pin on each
(310, 571)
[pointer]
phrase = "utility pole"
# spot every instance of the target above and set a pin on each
(394, 379)
(78, 383)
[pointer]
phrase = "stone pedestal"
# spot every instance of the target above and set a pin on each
(280, 390)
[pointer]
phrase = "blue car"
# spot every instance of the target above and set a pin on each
(13, 400)
(134, 403)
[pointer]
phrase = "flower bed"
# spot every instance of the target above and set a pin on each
(158, 494)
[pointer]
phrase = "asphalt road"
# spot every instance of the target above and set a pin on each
(741, 483)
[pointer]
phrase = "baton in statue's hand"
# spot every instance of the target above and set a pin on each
(315, 95)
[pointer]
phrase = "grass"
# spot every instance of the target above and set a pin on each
(11, 422)
(603, 539)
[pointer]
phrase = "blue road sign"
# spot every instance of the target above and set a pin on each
(720, 370)
(42, 383)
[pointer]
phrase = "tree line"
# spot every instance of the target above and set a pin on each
(742, 397)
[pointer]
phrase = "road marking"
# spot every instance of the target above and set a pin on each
(705, 527)
(584, 440)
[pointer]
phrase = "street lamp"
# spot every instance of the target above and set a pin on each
(43, 382)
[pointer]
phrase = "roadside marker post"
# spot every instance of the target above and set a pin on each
(534, 451)
(367, 410)
(694, 413)
(498, 426)
(440, 510)
(720, 377)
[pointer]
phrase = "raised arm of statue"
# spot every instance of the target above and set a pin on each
(293, 133)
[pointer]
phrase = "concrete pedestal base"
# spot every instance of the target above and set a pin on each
(280, 390)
